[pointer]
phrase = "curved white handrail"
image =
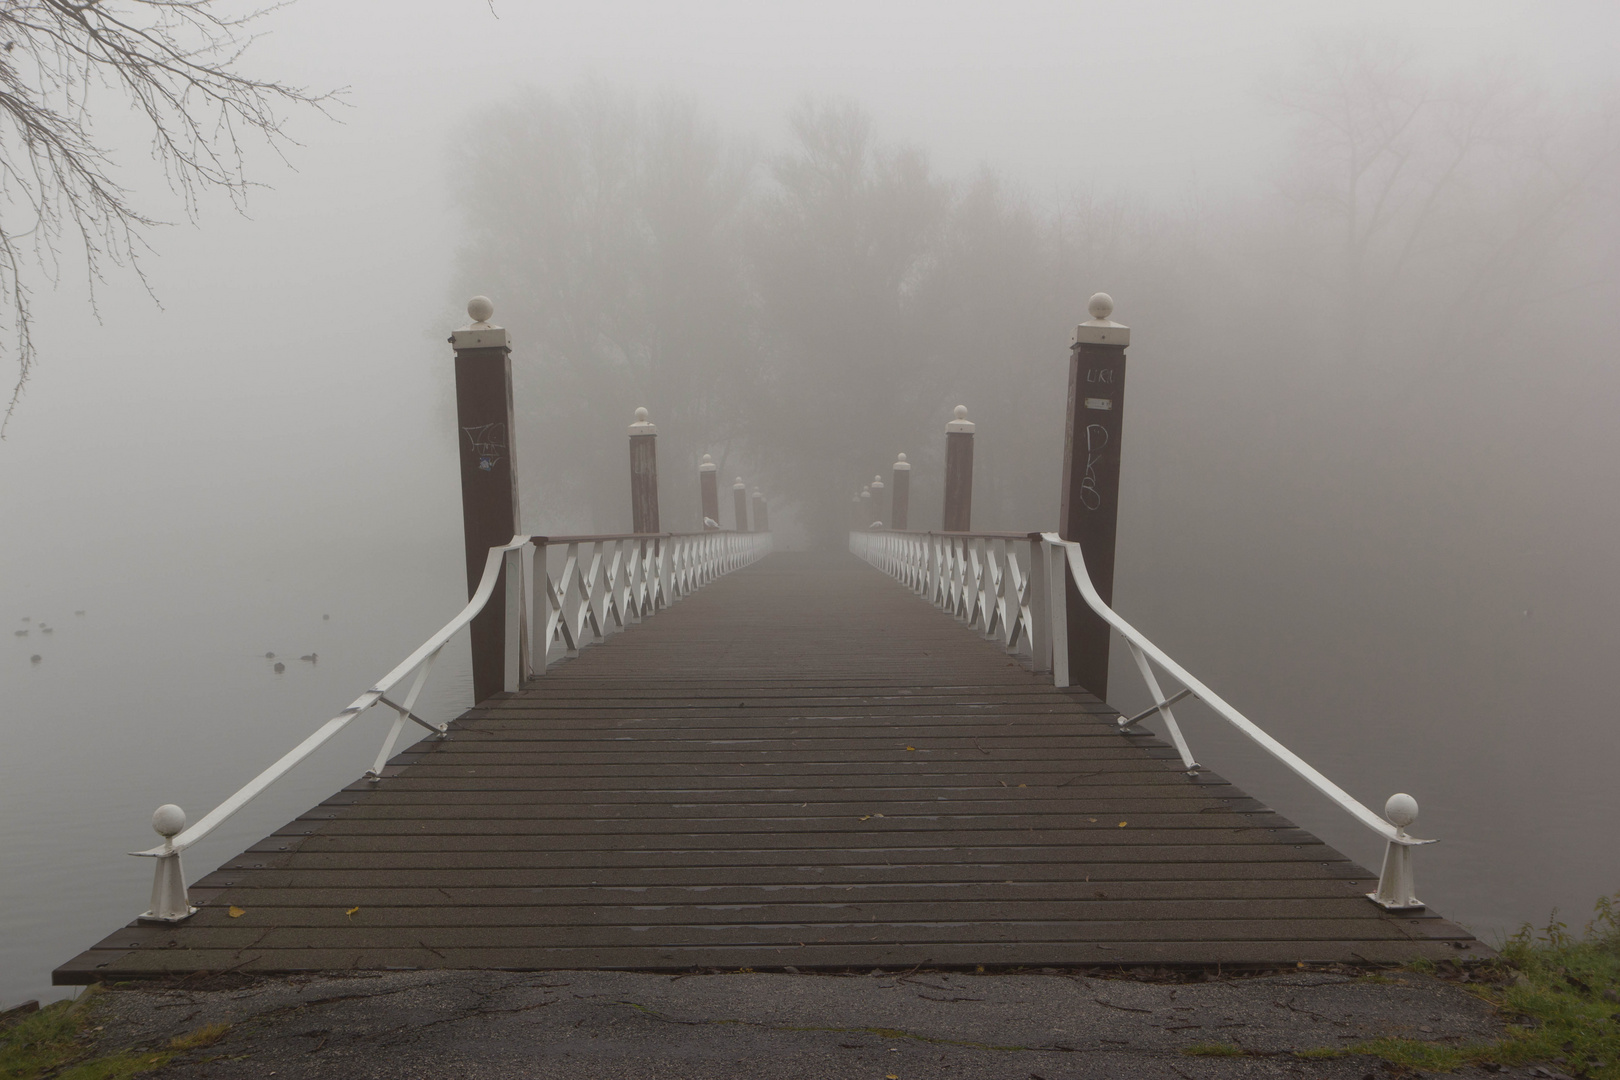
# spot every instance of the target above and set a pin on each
(322, 735)
(685, 563)
(1082, 579)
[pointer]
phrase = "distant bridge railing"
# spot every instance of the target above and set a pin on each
(984, 579)
(604, 584)
(979, 578)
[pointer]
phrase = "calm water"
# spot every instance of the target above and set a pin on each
(161, 692)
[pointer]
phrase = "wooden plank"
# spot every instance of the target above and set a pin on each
(867, 784)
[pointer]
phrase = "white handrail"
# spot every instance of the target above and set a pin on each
(1218, 704)
(946, 569)
(645, 573)
(255, 787)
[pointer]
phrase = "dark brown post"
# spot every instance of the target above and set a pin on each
(1090, 508)
(866, 511)
(739, 500)
(959, 473)
(489, 484)
(900, 494)
(761, 518)
(709, 487)
(876, 488)
(643, 475)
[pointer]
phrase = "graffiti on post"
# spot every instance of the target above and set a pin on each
(1096, 441)
(488, 440)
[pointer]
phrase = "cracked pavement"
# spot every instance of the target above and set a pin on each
(624, 1025)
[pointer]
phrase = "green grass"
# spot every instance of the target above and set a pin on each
(1559, 993)
(56, 1042)
(1214, 1050)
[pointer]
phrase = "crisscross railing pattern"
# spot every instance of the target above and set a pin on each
(605, 583)
(984, 579)
(977, 577)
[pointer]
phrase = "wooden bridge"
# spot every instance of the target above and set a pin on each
(808, 761)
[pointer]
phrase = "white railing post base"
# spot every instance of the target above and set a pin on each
(1395, 889)
(170, 904)
(1395, 883)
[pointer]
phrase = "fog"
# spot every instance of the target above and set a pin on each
(1369, 478)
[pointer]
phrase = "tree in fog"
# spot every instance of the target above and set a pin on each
(845, 235)
(1451, 191)
(178, 63)
(607, 231)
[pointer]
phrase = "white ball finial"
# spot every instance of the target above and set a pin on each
(707, 460)
(1101, 306)
(740, 483)
(480, 308)
(902, 457)
(878, 479)
(961, 412)
(168, 819)
(641, 416)
(1401, 810)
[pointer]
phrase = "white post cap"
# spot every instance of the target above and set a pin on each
(739, 483)
(643, 426)
(1401, 810)
(1100, 329)
(877, 482)
(961, 423)
(707, 465)
(480, 333)
(757, 495)
(168, 820)
(902, 465)
(866, 493)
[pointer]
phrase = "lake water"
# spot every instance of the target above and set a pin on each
(161, 692)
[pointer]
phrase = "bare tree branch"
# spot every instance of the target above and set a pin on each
(178, 63)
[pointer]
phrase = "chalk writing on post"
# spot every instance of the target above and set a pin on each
(1100, 375)
(488, 440)
(1096, 441)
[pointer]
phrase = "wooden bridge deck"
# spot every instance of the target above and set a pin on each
(803, 764)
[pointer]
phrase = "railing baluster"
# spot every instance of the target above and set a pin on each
(512, 665)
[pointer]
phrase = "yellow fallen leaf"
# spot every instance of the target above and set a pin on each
(911, 748)
(1092, 820)
(1023, 785)
(1122, 824)
(236, 912)
(352, 910)
(892, 1076)
(866, 817)
(877, 815)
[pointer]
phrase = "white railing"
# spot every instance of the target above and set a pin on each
(605, 583)
(977, 577)
(985, 579)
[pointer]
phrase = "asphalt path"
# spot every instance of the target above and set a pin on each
(581, 1025)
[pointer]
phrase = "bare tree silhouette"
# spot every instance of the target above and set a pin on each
(178, 64)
